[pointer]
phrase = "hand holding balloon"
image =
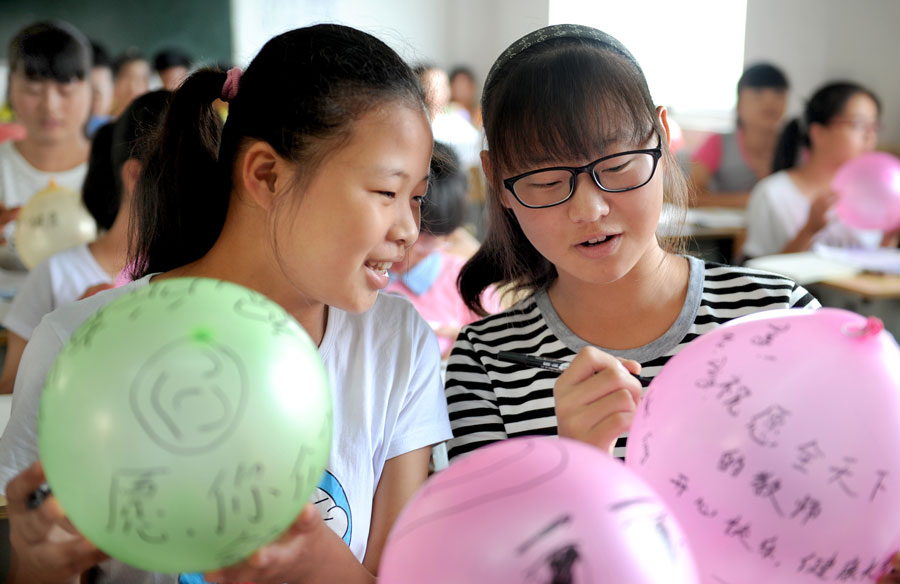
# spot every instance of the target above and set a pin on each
(868, 188)
(306, 547)
(47, 547)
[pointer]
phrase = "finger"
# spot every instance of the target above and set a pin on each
(633, 367)
(588, 362)
(70, 557)
(604, 420)
(266, 561)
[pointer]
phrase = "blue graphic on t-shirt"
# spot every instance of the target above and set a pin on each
(331, 501)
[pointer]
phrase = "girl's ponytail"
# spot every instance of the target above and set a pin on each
(788, 147)
(180, 202)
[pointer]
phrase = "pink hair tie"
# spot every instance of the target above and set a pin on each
(230, 87)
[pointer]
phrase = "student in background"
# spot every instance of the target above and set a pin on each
(726, 166)
(308, 195)
(790, 211)
(50, 94)
(449, 126)
(101, 89)
(574, 205)
(464, 94)
(173, 66)
(64, 277)
(428, 274)
(131, 73)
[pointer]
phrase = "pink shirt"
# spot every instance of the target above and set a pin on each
(441, 304)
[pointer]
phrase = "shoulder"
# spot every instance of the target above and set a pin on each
(738, 287)
(524, 314)
(776, 182)
(67, 318)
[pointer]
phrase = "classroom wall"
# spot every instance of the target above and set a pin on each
(201, 27)
(417, 29)
(820, 40)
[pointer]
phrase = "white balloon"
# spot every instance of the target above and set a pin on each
(53, 219)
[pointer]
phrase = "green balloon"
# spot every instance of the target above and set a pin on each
(185, 425)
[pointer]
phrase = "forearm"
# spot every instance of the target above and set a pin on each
(801, 242)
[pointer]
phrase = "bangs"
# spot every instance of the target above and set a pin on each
(46, 51)
(568, 105)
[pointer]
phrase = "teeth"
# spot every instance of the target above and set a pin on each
(380, 266)
(601, 240)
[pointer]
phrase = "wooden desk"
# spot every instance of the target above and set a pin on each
(869, 286)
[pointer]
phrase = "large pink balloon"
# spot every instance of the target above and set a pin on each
(868, 189)
(775, 440)
(536, 510)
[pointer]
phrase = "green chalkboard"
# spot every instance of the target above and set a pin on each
(202, 28)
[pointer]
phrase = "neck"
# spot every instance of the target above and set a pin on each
(759, 138)
(242, 255)
(54, 156)
(817, 172)
(111, 249)
(630, 311)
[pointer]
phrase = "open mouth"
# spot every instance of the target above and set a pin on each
(381, 267)
(596, 241)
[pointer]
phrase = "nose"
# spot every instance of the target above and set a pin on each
(51, 99)
(405, 229)
(588, 203)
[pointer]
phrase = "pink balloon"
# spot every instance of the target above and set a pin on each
(11, 131)
(536, 510)
(774, 440)
(868, 189)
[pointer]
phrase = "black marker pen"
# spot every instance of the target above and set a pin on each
(546, 363)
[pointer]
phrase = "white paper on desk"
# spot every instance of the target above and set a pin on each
(717, 217)
(805, 267)
(885, 260)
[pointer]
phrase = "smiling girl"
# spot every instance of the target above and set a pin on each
(308, 195)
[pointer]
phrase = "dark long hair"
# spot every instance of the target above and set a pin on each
(112, 145)
(300, 94)
(825, 104)
(557, 99)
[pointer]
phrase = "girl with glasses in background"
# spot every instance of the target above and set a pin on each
(791, 210)
(579, 166)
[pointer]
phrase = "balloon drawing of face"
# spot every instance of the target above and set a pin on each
(189, 395)
(541, 511)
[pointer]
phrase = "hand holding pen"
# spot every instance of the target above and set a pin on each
(596, 396)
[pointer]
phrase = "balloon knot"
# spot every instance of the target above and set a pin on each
(872, 327)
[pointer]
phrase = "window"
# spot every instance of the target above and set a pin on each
(691, 51)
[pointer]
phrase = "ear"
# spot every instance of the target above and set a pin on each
(262, 173)
(663, 116)
(488, 173)
(815, 132)
(130, 172)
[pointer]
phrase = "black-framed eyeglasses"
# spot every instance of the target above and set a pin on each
(616, 173)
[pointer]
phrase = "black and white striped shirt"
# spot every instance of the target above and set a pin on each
(490, 400)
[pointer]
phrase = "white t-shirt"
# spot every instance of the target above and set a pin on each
(387, 396)
(60, 279)
(777, 211)
(19, 180)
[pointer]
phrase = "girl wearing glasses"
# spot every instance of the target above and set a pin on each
(579, 168)
(790, 210)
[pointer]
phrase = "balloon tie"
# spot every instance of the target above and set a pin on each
(872, 327)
